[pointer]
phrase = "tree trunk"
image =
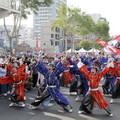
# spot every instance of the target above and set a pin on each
(10, 41)
(71, 42)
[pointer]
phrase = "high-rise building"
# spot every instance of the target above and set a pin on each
(42, 23)
(6, 8)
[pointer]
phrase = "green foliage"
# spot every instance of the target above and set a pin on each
(73, 20)
(86, 44)
(32, 5)
(62, 18)
(85, 25)
(102, 30)
(97, 46)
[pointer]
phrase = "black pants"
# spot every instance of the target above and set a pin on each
(35, 78)
(105, 87)
(44, 95)
(87, 103)
(116, 90)
(76, 86)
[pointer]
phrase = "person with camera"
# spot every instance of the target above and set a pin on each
(34, 73)
(3, 71)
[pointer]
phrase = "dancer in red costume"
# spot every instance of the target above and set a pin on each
(94, 93)
(116, 71)
(17, 77)
(66, 74)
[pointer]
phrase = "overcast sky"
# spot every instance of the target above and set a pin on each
(110, 9)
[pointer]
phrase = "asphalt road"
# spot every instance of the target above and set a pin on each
(54, 111)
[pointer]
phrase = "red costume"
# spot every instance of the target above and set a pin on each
(116, 89)
(94, 84)
(18, 79)
(66, 75)
(115, 71)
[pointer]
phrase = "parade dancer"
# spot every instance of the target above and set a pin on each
(94, 93)
(109, 80)
(81, 85)
(51, 73)
(116, 71)
(66, 74)
(88, 61)
(17, 77)
(108, 84)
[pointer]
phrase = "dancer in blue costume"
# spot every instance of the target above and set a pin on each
(109, 80)
(82, 83)
(102, 61)
(88, 61)
(51, 73)
(108, 83)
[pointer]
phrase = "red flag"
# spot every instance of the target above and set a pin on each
(113, 45)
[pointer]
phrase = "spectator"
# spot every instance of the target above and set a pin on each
(3, 71)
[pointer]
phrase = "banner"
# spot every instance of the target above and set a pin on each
(113, 45)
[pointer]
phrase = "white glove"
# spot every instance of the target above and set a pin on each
(21, 62)
(80, 64)
(111, 64)
(71, 66)
(110, 60)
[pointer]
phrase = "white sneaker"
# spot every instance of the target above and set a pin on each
(12, 104)
(24, 97)
(5, 94)
(33, 107)
(111, 101)
(9, 98)
(21, 104)
(71, 110)
(8, 92)
(111, 115)
(80, 112)
(77, 98)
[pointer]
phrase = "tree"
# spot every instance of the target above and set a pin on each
(86, 44)
(25, 7)
(86, 26)
(102, 30)
(73, 21)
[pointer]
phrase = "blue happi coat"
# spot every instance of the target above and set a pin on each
(74, 70)
(102, 61)
(110, 79)
(51, 80)
(87, 62)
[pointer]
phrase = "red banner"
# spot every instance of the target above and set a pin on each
(113, 45)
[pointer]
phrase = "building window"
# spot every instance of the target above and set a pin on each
(56, 36)
(52, 43)
(52, 35)
(56, 43)
(57, 29)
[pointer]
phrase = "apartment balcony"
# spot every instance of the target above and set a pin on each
(5, 8)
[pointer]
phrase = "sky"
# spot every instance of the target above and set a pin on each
(109, 9)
